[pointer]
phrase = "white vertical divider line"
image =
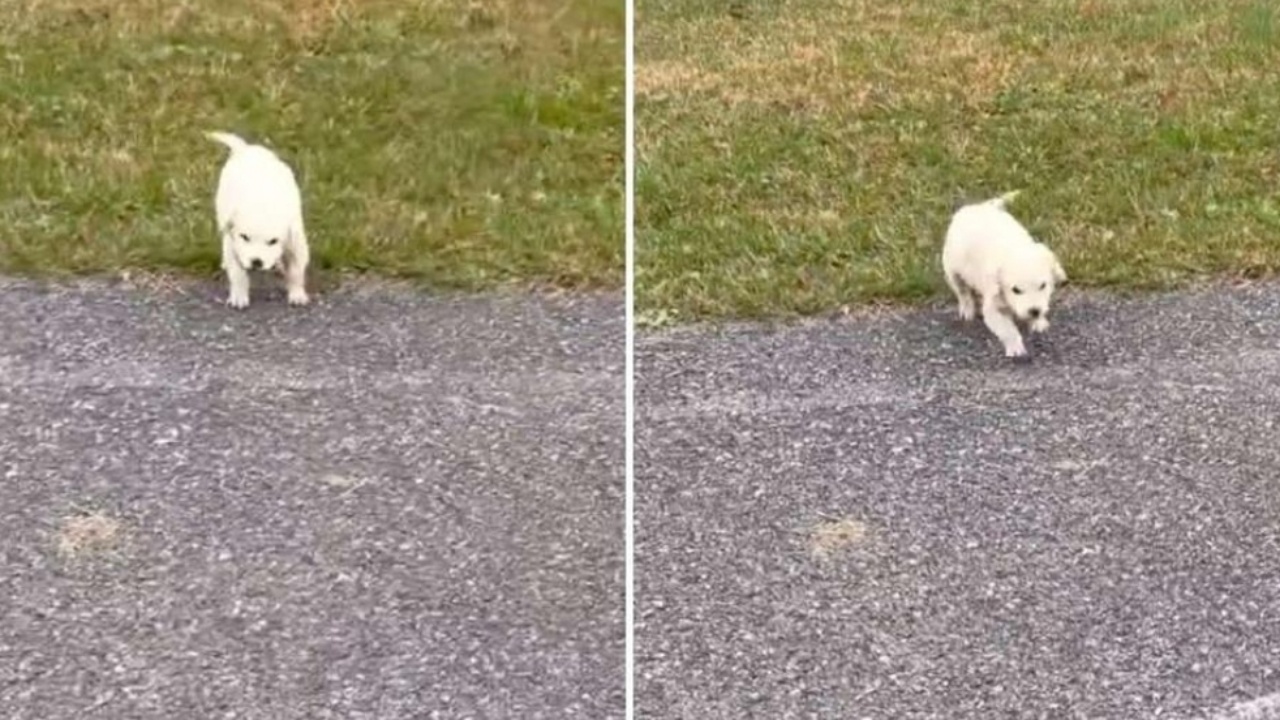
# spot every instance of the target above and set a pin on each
(629, 364)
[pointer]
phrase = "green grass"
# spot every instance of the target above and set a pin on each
(465, 144)
(795, 157)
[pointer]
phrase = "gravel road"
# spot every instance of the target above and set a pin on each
(881, 517)
(383, 505)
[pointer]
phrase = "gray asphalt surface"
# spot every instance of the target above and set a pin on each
(380, 506)
(883, 518)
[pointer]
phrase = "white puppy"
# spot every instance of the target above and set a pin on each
(259, 212)
(990, 254)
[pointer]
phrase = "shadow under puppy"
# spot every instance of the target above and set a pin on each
(259, 214)
(989, 254)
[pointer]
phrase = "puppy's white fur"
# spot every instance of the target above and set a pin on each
(988, 253)
(259, 213)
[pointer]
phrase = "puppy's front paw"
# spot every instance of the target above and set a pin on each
(968, 312)
(298, 296)
(238, 299)
(1039, 325)
(1016, 350)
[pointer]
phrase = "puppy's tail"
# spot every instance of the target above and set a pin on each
(233, 142)
(1004, 200)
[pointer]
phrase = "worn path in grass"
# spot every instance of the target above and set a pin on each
(380, 506)
(882, 518)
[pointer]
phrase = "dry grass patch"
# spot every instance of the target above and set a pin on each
(299, 21)
(795, 65)
(666, 77)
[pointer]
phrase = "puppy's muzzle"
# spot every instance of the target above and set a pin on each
(256, 264)
(1034, 313)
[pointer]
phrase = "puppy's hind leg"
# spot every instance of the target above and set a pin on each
(963, 295)
(1003, 327)
(295, 268)
(237, 280)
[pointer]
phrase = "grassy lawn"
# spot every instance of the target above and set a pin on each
(464, 143)
(797, 156)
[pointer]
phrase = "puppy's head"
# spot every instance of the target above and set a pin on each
(1027, 280)
(257, 246)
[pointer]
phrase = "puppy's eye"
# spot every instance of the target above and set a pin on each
(273, 241)
(1017, 290)
(244, 238)
(1043, 285)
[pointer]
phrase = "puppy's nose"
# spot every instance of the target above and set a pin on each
(256, 264)
(1034, 312)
